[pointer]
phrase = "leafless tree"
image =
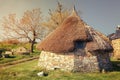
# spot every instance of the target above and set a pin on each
(28, 27)
(57, 16)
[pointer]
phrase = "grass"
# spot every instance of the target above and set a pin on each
(14, 58)
(29, 70)
(18, 57)
(5, 47)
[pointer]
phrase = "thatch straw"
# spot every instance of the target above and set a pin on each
(62, 39)
(74, 29)
(115, 35)
(99, 42)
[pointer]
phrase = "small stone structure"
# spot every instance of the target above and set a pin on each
(115, 41)
(9, 52)
(21, 51)
(75, 46)
(116, 47)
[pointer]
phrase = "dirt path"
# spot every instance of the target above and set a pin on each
(5, 65)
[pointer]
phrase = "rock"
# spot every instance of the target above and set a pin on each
(6, 56)
(22, 51)
(103, 71)
(9, 52)
(40, 74)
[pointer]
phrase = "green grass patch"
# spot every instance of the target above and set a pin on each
(9, 47)
(13, 58)
(17, 57)
(29, 70)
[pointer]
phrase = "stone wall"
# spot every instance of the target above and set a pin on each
(85, 62)
(53, 61)
(104, 61)
(116, 47)
(76, 61)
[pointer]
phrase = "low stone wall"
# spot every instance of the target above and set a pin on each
(86, 64)
(77, 62)
(116, 47)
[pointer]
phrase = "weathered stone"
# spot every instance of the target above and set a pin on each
(40, 74)
(52, 61)
(116, 47)
(73, 62)
(21, 50)
(6, 56)
(9, 52)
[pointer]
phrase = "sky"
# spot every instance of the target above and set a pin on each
(103, 15)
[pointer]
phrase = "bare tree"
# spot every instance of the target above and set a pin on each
(28, 27)
(57, 16)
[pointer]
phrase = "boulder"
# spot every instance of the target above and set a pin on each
(6, 56)
(40, 74)
(21, 51)
(9, 52)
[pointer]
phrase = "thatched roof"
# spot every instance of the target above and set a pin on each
(115, 35)
(71, 30)
(99, 41)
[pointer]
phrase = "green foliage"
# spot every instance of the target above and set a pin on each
(29, 70)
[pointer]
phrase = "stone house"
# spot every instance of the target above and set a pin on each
(75, 46)
(115, 41)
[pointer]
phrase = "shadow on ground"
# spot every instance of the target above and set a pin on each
(116, 65)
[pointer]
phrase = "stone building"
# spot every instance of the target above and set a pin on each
(75, 46)
(115, 41)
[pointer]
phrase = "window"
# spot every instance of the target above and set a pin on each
(79, 44)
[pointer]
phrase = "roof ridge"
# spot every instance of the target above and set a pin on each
(74, 12)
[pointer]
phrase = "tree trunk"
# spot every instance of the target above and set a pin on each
(32, 47)
(33, 42)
